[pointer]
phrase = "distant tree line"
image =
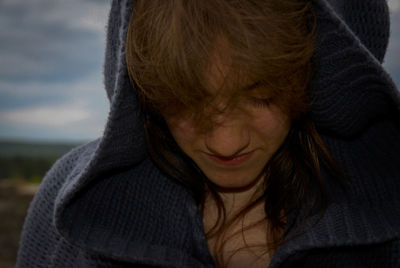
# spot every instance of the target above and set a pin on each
(28, 168)
(29, 160)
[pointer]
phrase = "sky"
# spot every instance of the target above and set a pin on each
(51, 58)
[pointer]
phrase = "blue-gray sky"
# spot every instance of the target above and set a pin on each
(51, 57)
(392, 59)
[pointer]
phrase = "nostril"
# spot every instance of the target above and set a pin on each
(227, 144)
(228, 153)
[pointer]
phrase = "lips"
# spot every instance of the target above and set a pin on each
(231, 161)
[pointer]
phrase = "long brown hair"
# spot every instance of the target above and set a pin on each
(168, 51)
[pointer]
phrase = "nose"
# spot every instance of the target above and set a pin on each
(230, 137)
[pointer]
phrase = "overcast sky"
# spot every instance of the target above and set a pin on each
(51, 57)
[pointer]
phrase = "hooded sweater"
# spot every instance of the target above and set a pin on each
(105, 203)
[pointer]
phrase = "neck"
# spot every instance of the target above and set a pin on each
(234, 201)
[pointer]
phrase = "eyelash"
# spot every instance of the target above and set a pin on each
(260, 103)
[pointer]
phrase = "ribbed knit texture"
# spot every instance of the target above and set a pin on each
(351, 89)
(105, 204)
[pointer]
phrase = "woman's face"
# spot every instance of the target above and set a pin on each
(233, 153)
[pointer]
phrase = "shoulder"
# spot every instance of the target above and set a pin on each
(39, 236)
(63, 169)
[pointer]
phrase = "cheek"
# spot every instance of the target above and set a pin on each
(183, 132)
(271, 127)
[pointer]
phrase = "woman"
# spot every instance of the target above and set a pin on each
(241, 133)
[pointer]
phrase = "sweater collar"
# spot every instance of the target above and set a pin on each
(137, 215)
(370, 213)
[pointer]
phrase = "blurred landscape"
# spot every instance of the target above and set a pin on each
(23, 164)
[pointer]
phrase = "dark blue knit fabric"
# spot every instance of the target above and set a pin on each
(105, 204)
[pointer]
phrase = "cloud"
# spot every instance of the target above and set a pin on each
(57, 12)
(70, 121)
(71, 111)
(92, 21)
(51, 39)
(49, 116)
(392, 58)
(394, 5)
(51, 55)
(86, 87)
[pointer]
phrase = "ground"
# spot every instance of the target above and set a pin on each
(15, 197)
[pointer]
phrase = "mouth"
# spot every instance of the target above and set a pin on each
(231, 161)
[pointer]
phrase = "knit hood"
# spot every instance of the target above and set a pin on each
(355, 109)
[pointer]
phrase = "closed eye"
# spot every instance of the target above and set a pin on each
(260, 102)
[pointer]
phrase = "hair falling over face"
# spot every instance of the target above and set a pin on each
(170, 47)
